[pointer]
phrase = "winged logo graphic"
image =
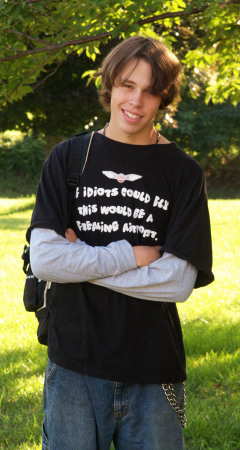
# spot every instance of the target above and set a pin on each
(120, 177)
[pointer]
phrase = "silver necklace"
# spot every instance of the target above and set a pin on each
(158, 133)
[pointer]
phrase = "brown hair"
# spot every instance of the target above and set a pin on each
(165, 68)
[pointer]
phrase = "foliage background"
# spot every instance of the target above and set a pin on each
(49, 50)
(36, 33)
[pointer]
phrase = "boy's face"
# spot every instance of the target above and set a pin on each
(133, 105)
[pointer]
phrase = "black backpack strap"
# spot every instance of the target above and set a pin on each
(79, 151)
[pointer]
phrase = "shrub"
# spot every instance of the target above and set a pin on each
(23, 158)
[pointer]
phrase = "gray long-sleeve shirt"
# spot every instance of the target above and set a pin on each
(54, 258)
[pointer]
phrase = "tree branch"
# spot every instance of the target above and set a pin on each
(28, 2)
(55, 48)
(48, 76)
(173, 14)
(32, 1)
(27, 36)
(98, 37)
(27, 76)
(183, 13)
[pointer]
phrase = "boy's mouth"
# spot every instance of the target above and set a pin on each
(131, 115)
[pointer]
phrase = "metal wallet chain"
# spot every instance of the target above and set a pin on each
(172, 399)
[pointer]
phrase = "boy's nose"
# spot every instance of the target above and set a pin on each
(136, 98)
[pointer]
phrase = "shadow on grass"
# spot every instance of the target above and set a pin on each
(17, 208)
(11, 223)
(202, 335)
(222, 191)
(16, 187)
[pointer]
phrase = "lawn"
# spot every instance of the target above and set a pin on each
(211, 330)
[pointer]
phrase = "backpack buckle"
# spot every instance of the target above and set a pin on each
(72, 179)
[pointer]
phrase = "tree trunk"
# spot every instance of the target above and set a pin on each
(51, 141)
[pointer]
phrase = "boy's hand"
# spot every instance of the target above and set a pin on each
(70, 235)
(145, 255)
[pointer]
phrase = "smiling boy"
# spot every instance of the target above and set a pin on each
(134, 106)
(138, 242)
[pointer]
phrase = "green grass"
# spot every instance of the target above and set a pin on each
(210, 325)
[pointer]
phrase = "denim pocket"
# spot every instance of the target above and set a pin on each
(179, 392)
(51, 370)
(45, 445)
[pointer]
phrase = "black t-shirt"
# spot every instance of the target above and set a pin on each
(148, 195)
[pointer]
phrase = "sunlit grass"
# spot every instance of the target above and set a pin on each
(211, 319)
(211, 331)
(22, 359)
(11, 205)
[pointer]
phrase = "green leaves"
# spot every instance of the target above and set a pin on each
(34, 33)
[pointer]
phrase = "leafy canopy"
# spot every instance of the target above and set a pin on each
(36, 33)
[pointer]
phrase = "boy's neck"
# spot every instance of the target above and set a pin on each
(148, 138)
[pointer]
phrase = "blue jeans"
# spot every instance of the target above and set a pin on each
(87, 413)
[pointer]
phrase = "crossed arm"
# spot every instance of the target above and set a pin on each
(138, 271)
(144, 255)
